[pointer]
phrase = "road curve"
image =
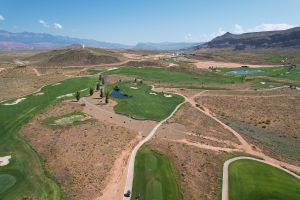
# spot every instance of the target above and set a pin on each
(130, 172)
(225, 183)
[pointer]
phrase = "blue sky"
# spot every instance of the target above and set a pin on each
(132, 21)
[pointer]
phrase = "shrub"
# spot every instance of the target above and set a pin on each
(91, 91)
(77, 96)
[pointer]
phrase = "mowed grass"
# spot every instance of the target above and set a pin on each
(164, 75)
(252, 180)
(276, 72)
(154, 176)
(143, 105)
(26, 167)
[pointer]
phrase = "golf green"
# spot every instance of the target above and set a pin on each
(252, 180)
(142, 103)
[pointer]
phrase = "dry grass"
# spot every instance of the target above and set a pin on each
(267, 119)
(80, 157)
(199, 124)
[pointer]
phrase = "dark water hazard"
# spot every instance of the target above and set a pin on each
(244, 72)
(118, 94)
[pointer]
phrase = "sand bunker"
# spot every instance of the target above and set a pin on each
(39, 94)
(15, 102)
(167, 95)
(83, 90)
(66, 95)
(134, 88)
(114, 68)
(263, 83)
(4, 160)
(69, 120)
(153, 93)
(56, 84)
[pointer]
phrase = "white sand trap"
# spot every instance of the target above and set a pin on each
(69, 120)
(114, 68)
(39, 94)
(263, 83)
(167, 95)
(83, 90)
(4, 160)
(56, 84)
(66, 95)
(135, 88)
(152, 93)
(15, 102)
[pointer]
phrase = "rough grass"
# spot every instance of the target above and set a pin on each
(155, 176)
(143, 105)
(250, 180)
(26, 168)
(280, 143)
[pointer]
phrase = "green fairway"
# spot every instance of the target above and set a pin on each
(157, 74)
(276, 72)
(252, 180)
(154, 176)
(144, 103)
(26, 175)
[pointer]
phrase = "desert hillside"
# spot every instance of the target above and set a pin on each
(74, 57)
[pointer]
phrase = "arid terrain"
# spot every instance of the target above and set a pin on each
(81, 156)
(89, 160)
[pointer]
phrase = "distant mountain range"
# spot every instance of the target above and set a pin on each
(166, 46)
(257, 40)
(42, 41)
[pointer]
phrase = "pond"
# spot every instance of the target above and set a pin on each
(118, 94)
(244, 72)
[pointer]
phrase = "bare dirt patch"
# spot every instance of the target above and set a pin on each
(80, 157)
(199, 124)
(96, 107)
(266, 119)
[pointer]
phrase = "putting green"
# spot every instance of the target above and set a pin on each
(154, 176)
(66, 120)
(32, 179)
(142, 103)
(252, 180)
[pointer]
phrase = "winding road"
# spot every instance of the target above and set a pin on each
(130, 172)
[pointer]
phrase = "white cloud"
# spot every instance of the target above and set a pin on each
(270, 27)
(238, 29)
(2, 18)
(207, 37)
(44, 23)
(188, 37)
(57, 26)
